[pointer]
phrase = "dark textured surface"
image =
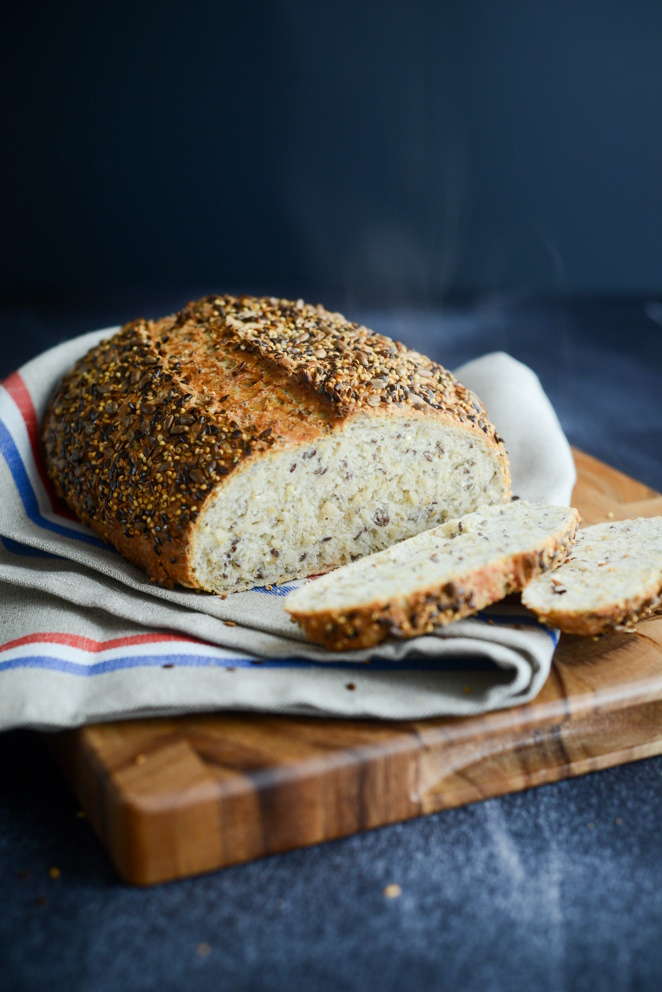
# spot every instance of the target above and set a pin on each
(556, 888)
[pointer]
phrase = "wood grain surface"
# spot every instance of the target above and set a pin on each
(175, 797)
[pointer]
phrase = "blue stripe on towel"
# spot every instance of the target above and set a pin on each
(25, 550)
(123, 662)
(28, 496)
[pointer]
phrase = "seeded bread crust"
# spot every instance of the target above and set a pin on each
(153, 421)
(605, 555)
(433, 605)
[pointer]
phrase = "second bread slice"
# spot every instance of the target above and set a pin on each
(436, 577)
(612, 579)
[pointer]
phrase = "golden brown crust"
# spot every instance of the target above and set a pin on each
(152, 420)
(434, 606)
(617, 617)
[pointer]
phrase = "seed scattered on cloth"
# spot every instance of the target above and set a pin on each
(393, 891)
(54, 873)
(203, 950)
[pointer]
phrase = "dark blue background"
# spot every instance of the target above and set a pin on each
(360, 152)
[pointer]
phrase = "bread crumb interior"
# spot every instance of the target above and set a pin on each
(302, 511)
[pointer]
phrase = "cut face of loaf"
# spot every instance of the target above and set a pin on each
(436, 577)
(251, 441)
(306, 510)
(612, 578)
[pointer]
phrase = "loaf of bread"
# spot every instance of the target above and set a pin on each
(436, 577)
(612, 578)
(248, 441)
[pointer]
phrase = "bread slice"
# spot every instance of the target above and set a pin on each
(612, 578)
(250, 441)
(436, 577)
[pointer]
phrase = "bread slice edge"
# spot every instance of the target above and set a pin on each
(434, 605)
(639, 601)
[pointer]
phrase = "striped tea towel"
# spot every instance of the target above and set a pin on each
(85, 636)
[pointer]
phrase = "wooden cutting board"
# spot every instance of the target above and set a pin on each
(174, 797)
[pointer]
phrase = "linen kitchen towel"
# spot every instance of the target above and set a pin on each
(85, 636)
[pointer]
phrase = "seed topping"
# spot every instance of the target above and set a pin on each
(143, 428)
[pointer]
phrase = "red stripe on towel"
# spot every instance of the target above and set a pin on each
(19, 393)
(92, 646)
